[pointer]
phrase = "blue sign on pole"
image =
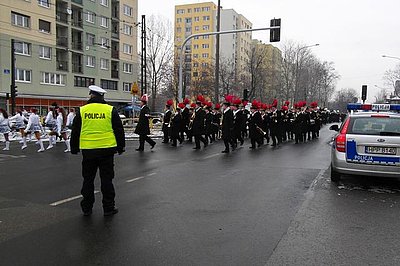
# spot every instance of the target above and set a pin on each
(7, 71)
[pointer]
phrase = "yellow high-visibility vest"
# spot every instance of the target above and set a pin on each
(96, 130)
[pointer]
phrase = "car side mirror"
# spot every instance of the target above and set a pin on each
(334, 127)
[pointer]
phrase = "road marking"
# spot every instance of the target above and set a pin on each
(12, 156)
(69, 199)
(151, 174)
(211, 156)
(134, 179)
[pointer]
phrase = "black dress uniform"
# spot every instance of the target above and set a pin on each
(166, 124)
(176, 122)
(143, 128)
(198, 129)
(255, 123)
(98, 158)
(227, 128)
(185, 123)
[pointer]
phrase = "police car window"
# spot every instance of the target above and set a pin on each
(374, 125)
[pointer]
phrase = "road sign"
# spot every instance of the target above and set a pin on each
(135, 89)
(7, 71)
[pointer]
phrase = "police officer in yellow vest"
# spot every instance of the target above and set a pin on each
(98, 132)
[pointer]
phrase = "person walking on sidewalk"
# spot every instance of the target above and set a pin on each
(5, 128)
(98, 132)
(143, 126)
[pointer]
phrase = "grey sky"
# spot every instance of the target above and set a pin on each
(354, 34)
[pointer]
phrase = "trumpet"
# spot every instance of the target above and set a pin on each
(191, 120)
(259, 129)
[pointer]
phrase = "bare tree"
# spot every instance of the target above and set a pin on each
(203, 78)
(391, 76)
(343, 97)
(227, 75)
(381, 96)
(159, 53)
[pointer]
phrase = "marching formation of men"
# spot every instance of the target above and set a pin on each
(237, 119)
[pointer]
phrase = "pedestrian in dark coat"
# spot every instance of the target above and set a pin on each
(198, 129)
(166, 121)
(143, 126)
(176, 124)
(255, 123)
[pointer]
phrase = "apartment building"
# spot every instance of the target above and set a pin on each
(235, 48)
(63, 46)
(199, 53)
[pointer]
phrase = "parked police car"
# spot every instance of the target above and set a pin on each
(368, 142)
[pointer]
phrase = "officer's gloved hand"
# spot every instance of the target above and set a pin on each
(121, 151)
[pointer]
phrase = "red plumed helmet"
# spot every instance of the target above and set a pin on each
(170, 102)
(285, 108)
(200, 98)
(229, 98)
(186, 101)
(245, 103)
(264, 106)
(217, 106)
(181, 105)
(209, 104)
(254, 104)
(193, 105)
(314, 105)
(287, 103)
(237, 102)
(295, 105)
(275, 103)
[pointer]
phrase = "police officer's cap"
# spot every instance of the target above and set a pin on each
(93, 89)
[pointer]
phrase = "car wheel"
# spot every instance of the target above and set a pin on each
(335, 176)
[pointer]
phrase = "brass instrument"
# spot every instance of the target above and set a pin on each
(191, 120)
(259, 129)
(170, 120)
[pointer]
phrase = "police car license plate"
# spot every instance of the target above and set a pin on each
(380, 150)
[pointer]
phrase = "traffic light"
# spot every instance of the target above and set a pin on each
(275, 34)
(364, 93)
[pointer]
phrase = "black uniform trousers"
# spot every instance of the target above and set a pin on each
(142, 139)
(90, 164)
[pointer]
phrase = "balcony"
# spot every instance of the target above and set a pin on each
(77, 46)
(115, 29)
(115, 9)
(62, 41)
(78, 1)
(61, 11)
(77, 67)
(115, 54)
(77, 17)
(114, 74)
(62, 65)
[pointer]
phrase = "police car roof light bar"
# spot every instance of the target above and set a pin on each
(373, 107)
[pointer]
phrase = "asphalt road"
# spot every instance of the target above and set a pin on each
(179, 206)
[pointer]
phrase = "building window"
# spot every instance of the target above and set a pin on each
(195, 55)
(20, 20)
(204, 64)
(104, 63)
(90, 39)
(109, 84)
(195, 64)
(83, 81)
(197, 19)
(205, 37)
(179, 29)
(204, 9)
(44, 26)
(128, 10)
(22, 48)
(23, 75)
(90, 61)
(195, 46)
(188, 20)
(104, 43)
(104, 2)
(178, 20)
(90, 17)
(206, 18)
(195, 74)
(127, 68)
(188, 29)
(53, 79)
(44, 3)
(197, 28)
(104, 22)
(128, 29)
(196, 37)
(127, 87)
(189, 10)
(205, 55)
(206, 27)
(197, 9)
(127, 48)
(180, 11)
(45, 52)
(206, 46)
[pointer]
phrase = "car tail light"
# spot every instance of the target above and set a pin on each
(341, 138)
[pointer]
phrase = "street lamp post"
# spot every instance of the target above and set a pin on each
(392, 57)
(297, 67)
